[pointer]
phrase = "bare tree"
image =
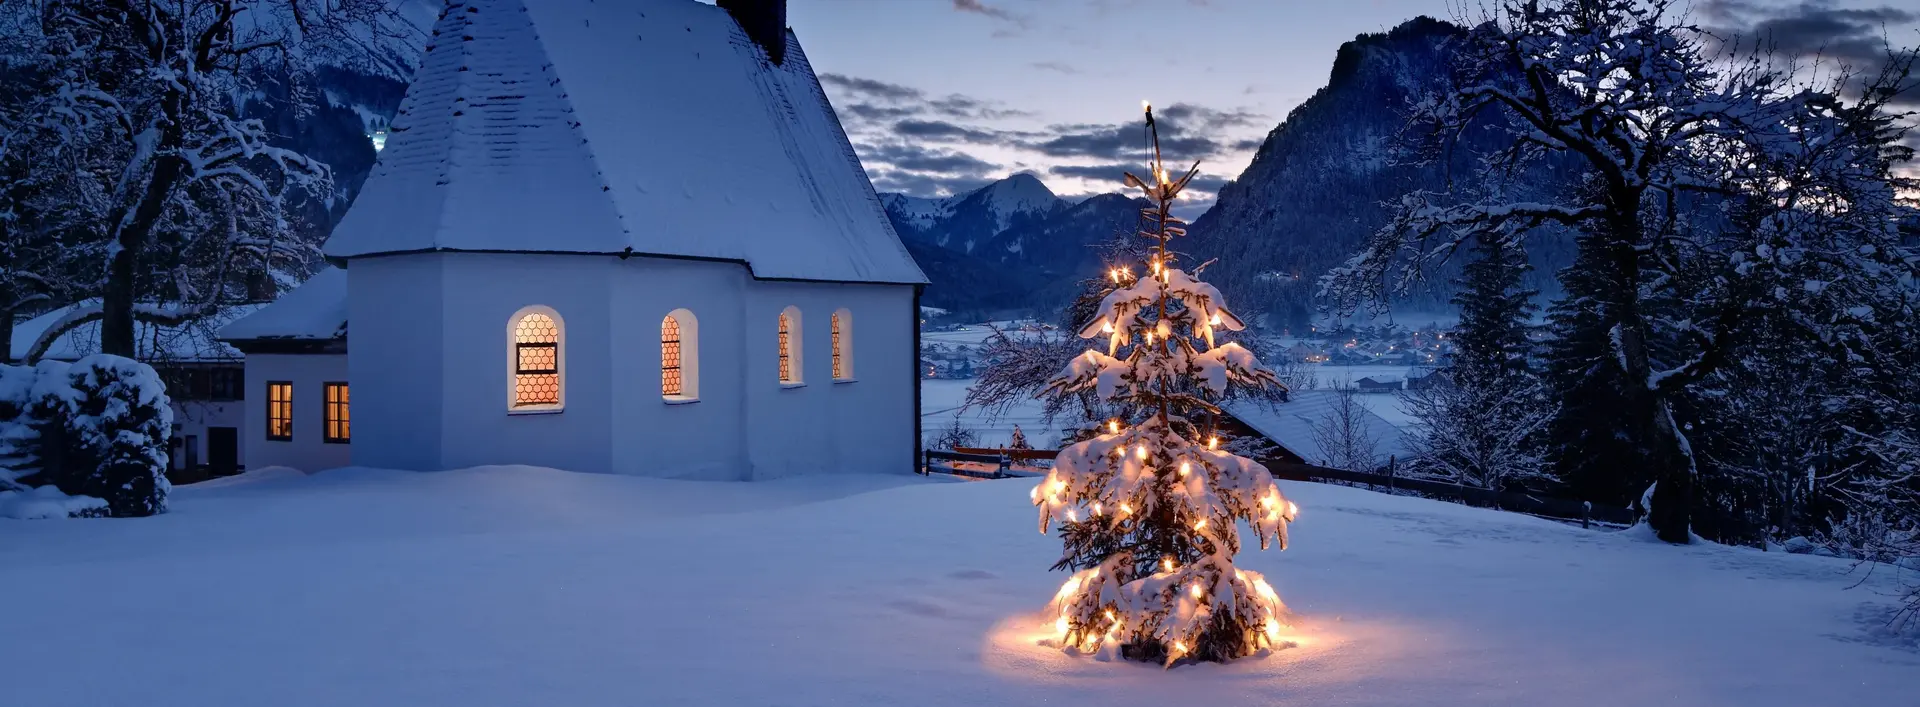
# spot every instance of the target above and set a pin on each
(1343, 435)
(194, 199)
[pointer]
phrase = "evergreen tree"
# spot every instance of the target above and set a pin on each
(1150, 508)
(1483, 419)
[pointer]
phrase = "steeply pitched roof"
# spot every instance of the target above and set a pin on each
(1290, 424)
(314, 311)
(591, 127)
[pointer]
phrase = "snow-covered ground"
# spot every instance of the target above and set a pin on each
(519, 586)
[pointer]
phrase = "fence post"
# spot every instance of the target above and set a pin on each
(1586, 514)
(1006, 463)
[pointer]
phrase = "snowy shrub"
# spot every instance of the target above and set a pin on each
(955, 436)
(95, 429)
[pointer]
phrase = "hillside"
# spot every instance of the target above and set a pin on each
(1318, 185)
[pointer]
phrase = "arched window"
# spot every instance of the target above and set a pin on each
(843, 346)
(680, 357)
(790, 347)
(535, 361)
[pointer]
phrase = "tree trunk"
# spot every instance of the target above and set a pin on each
(1671, 516)
(6, 334)
(117, 297)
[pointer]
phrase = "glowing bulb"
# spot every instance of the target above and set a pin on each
(1094, 573)
(1273, 630)
(1059, 486)
(1113, 427)
(1126, 508)
(1106, 327)
(1141, 451)
(1215, 321)
(1096, 509)
(1149, 337)
(1073, 516)
(1213, 443)
(1167, 563)
(1115, 274)
(1266, 500)
(1194, 589)
(1200, 525)
(1292, 510)
(1145, 104)
(1179, 647)
(1110, 615)
(1060, 625)
(1184, 468)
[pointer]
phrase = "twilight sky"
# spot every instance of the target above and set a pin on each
(940, 96)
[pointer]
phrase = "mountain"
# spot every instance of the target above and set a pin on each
(1319, 184)
(1010, 245)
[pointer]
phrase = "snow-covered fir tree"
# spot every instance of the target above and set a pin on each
(1150, 507)
(1481, 421)
(1718, 188)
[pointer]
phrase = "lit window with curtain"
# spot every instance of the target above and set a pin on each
(280, 411)
(338, 423)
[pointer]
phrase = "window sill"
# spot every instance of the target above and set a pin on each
(678, 400)
(846, 380)
(536, 411)
(335, 441)
(279, 439)
(791, 386)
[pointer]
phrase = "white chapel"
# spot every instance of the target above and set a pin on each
(624, 237)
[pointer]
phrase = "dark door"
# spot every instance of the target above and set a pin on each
(223, 450)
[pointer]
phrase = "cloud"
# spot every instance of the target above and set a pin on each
(871, 88)
(1186, 130)
(1857, 37)
(1055, 66)
(914, 158)
(1097, 172)
(980, 8)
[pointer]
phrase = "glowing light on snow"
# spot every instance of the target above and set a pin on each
(1060, 625)
(1200, 525)
(1096, 509)
(1215, 320)
(1106, 327)
(1143, 451)
(1167, 564)
(1179, 647)
(1195, 590)
(1113, 426)
(1125, 509)
(1213, 443)
(1293, 511)
(1184, 468)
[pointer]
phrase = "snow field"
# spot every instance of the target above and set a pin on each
(516, 586)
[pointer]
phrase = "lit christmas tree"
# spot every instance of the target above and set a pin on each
(1149, 510)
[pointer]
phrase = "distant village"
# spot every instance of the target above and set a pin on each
(951, 350)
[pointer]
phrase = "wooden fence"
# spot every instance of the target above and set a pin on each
(942, 462)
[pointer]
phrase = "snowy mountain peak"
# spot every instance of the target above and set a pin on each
(1019, 194)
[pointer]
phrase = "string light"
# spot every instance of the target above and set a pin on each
(1113, 426)
(1213, 443)
(1184, 468)
(1201, 525)
(1143, 450)
(1195, 589)
(1125, 509)
(1167, 562)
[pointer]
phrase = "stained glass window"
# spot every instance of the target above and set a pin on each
(786, 350)
(670, 383)
(536, 361)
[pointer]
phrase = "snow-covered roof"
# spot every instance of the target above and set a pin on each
(1290, 424)
(577, 126)
(190, 342)
(314, 311)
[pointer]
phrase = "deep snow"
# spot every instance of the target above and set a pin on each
(519, 586)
